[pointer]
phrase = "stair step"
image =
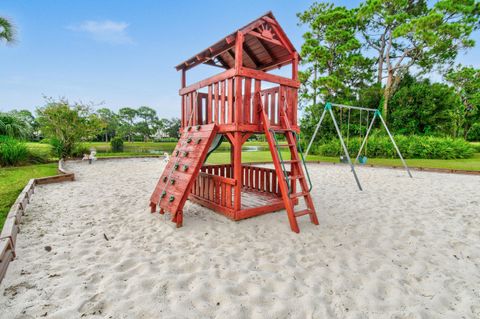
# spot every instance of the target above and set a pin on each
(302, 212)
(283, 130)
(297, 195)
(296, 177)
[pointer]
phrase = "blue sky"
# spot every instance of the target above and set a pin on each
(122, 53)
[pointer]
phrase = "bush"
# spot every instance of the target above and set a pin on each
(410, 146)
(12, 152)
(117, 144)
(474, 133)
(79, 150)
(38, 156)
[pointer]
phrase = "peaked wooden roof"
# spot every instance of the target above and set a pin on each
(265, 47)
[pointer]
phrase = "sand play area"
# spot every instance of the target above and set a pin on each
(402, 248)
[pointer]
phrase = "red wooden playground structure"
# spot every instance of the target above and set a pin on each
(241, 101)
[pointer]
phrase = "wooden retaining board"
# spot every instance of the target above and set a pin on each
(197, 153)
(6, 256)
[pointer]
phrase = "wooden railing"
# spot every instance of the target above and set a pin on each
(216, 189)
(260, 179)
(255, 178)
(233, 99)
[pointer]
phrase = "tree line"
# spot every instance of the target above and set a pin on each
(59, 117)
(376, 55)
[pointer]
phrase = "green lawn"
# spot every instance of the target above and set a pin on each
(14, 179)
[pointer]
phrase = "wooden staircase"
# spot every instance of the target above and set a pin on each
(174, 186)
(288, 181)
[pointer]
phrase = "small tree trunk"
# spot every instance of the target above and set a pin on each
(387, 94)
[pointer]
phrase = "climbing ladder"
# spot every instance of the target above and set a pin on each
(174, 186)
(288, 181)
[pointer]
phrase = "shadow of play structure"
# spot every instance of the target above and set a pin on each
(242, 100)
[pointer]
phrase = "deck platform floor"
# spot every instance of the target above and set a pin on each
(253, 198)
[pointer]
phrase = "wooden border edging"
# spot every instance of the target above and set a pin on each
(8, 235)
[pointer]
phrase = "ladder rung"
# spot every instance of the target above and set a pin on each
(297, 195)
(285, 145)
(296, 177)
(283, 130)
(302, 212)
(291, 161)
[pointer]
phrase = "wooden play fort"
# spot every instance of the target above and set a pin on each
(242, 100)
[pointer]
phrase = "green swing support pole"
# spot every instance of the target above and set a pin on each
(366, 137)
(394, 144)
(315, 133)
(345, 150)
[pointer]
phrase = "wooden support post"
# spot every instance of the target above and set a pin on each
(238, 79)
(239, 51)
(295, 66)
(237, 170)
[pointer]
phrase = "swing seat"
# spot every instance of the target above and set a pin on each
(343, 159)
(362, 159)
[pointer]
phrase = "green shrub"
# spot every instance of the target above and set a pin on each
(411, 147)
(12, 152)
(79, 150)
(474, 133)
(117, 144)
(37, 156)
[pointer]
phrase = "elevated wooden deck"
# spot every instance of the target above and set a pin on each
(229, 100)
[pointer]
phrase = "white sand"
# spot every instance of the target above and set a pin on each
(403, 248)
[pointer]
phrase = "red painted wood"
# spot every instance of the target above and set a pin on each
(230, 100)
(216, 105)
(209, 106)
(183, 180)
(247, 100)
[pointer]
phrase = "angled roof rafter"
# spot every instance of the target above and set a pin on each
(253, 56)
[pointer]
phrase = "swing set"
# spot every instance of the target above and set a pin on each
(362, 159)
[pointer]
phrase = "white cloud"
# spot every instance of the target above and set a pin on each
(105, 31)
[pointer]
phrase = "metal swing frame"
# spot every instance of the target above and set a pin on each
(328, 108)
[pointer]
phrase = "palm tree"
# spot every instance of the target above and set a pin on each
(13, 126)
(7, 31)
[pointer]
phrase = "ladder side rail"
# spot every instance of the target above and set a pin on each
(281, 181)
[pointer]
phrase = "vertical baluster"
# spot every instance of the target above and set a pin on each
(183, 110)
(251, 176)
(273, 113)
(294, 106)
(262, 180)
(256, 102)
(247, 100)
(274, 182)
(199, 109)
(224, 197)
(230, 100)
(265, 103)
(222, 105)
(216, 103)
(209, 105)
(267, 177)
(239, 100)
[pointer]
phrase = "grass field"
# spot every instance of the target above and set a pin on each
(472, 164)
(222, 154)
(14, 179)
